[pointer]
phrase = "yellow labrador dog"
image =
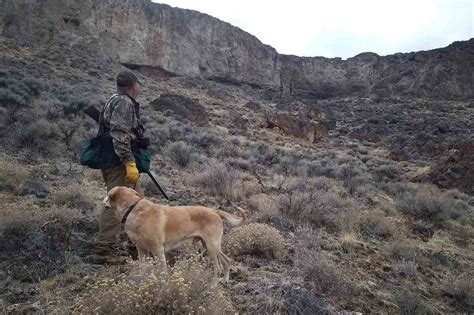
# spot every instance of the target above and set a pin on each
(154, 227)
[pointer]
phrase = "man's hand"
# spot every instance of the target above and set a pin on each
(132, 172)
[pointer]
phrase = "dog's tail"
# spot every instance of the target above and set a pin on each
(233, 220)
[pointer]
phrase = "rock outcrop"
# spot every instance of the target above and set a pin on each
(184, 42)
(295, 125)
(455, 168)
(182, 107)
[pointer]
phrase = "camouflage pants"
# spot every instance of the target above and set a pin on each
(109, 226)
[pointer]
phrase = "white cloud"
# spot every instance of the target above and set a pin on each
(344, 28)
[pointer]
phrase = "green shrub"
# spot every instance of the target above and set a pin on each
(323, 276)
(412, 303)
(266, 154)
(301, 201)
(219, 180)
(330, 211)
(17, 92)
(39, 136)
(408, 268)
(205, 139)
(181, 153)
(387, 173)
(430, 205)
(355, 185)
(9, 98)
(227, 149)
(324, 168)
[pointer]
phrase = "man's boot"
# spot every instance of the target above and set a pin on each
(109, 254)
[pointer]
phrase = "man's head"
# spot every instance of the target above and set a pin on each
(127, 82)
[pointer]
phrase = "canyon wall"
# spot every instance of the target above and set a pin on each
(186, 42)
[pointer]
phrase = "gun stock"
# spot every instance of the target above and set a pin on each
(92, 112)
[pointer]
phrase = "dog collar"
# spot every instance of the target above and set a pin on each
(129, 210)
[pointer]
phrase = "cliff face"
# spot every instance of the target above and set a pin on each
(185, 42)
(445, 73)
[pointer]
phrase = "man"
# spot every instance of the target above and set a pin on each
(120, 117)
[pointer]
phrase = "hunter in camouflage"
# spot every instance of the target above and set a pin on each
(120, 117)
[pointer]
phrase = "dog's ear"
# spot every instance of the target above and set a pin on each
(106, 201)
(137, 194)
(112, 194)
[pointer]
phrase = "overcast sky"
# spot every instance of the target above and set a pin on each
(344, 28)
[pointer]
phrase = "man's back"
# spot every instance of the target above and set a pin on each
(119, 117)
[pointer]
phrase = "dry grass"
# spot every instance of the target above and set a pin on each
(18, 180)
(185, 289)
(461, 291)
(265, 206)
(74, 196)
(349, 241)
(403, 250)
(277, 293)
(10, 176)
(26, 235)
(376, 226)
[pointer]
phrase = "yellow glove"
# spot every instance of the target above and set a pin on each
(132, 172)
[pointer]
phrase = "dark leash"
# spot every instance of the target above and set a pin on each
(129, 210)
(158, 185)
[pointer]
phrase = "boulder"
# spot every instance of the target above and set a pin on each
(255, 106)
(296, 125)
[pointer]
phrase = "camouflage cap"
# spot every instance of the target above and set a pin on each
(126, 78)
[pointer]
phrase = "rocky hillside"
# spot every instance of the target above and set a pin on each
(185, 42)
(362, 202)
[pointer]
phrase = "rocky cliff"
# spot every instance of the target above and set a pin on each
(185, 42)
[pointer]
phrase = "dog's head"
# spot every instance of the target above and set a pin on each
(121, 197)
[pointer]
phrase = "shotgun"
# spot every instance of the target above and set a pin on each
(94, 113)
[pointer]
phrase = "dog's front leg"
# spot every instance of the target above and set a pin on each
(141, 253)
(163, 258)
(159, 253)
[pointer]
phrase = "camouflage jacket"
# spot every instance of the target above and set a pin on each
(120, 117)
